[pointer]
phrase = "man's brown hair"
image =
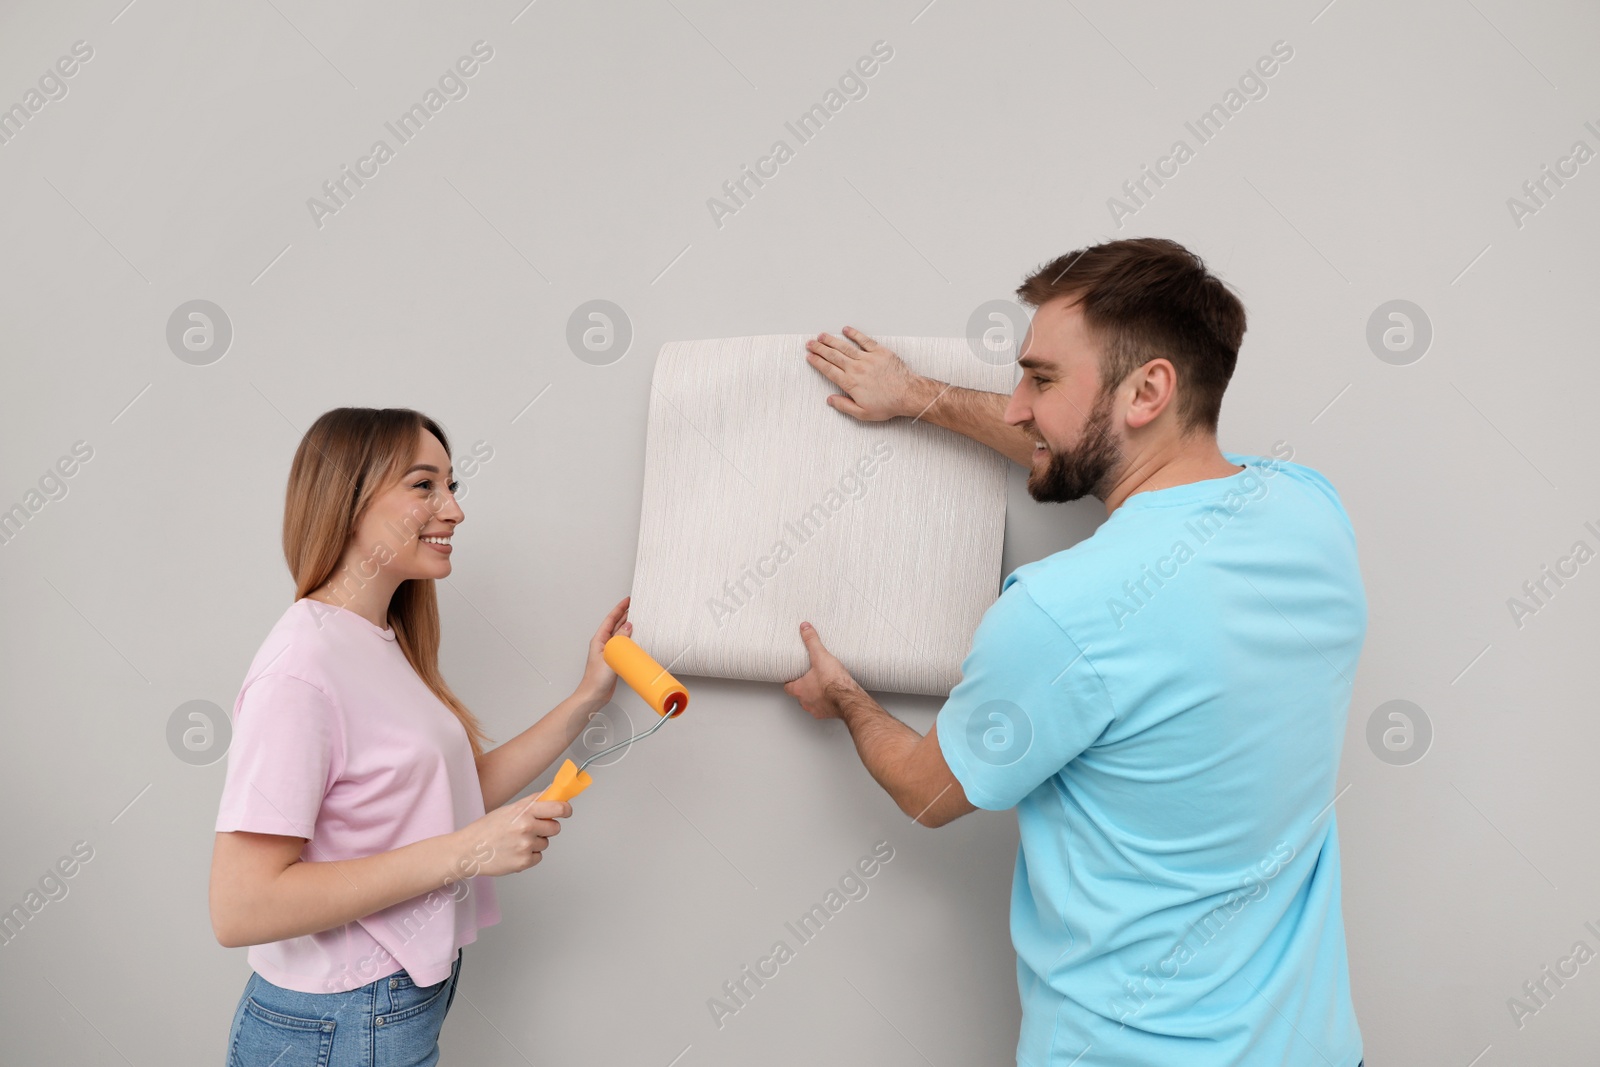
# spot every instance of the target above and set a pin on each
(1147, 297)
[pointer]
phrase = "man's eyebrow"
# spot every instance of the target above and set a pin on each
(429, 467)
(1035, 363)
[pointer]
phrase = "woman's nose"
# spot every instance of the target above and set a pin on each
(449, 509)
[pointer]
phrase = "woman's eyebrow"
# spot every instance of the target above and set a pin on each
(429, 467)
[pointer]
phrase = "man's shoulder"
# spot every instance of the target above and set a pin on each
(1065, 584)
(1089, 562)
(1074, 585)
(1281, 464)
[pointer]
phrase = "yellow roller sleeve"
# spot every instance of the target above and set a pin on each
(648, 678)
(568, 783)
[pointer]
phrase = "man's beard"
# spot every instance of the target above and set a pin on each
(1085, 470)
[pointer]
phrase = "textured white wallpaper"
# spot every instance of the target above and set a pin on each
(764, 507)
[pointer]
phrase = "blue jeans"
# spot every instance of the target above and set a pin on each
(387, 1023)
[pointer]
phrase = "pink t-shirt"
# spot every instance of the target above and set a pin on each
(336, 739)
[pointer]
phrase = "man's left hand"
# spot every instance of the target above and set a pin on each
(821, 689)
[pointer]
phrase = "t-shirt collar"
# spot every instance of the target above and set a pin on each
(1194, 492)
(324, 610)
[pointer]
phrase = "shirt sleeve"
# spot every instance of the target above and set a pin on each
(1029, 701)
(284, 757)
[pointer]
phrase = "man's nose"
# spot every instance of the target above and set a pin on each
(1016, 411)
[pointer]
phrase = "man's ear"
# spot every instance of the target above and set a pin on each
(1155, 386)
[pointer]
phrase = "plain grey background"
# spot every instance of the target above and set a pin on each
(1379, 165)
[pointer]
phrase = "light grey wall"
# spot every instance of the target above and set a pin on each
(1377, 167)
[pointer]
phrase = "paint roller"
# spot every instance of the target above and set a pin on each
(664, 693)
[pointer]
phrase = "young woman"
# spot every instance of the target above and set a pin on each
(353, 853)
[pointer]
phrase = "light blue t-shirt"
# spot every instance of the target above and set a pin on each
(1164, 704)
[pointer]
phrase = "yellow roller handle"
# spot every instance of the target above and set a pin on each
(648, 678)
(568, 783)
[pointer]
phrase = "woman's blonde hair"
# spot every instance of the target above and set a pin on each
(347, 457)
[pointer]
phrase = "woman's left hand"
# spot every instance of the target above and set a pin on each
(599, 680)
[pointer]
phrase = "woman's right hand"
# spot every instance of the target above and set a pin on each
(511, 838)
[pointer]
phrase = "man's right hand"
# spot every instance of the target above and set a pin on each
(877, 384)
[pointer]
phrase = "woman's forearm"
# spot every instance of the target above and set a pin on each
(506, 770)
(255, 906)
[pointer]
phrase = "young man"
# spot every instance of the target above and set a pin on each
(1163, 703)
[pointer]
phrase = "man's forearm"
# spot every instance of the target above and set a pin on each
(974, 413)
(884, 744)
